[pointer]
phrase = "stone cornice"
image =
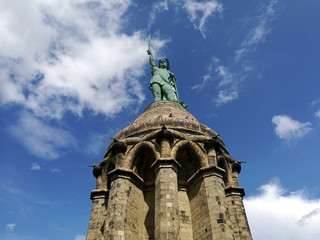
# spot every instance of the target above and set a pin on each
(126, 174)
(234, 191)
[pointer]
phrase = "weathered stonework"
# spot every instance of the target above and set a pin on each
(166, 176)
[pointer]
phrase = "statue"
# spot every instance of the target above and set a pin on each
(163, 82)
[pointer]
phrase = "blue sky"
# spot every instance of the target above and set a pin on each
(74, 73)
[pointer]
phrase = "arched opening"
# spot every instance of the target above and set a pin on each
(145, 199)
(142, 162)
(190, 163)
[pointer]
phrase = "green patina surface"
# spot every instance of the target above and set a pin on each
(163, 82)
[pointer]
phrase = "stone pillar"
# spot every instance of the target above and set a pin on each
(208, 205)
(166, 199)
(97, 217)
(120, 222)
(237, 214)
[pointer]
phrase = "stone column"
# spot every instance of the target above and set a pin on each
(166, 199)
(99, 199)
(237, 214)
(208, 205)
(120, 224)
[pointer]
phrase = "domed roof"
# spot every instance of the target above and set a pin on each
(167, 113)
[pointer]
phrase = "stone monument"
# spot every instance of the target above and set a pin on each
(167, 176)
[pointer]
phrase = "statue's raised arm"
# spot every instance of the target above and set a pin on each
(151, 59)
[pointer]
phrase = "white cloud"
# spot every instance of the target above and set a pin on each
(198, 12)
(288, 129)
(76, 56)
(317, 114)
(157, 8)
(55, 170)
(275, 214)
(80, 237)
(35, 167)
(259, 31)
(208, 75)
(230, 77)
(42, 140)
(205, 79)
(226, 96)
(228, 86)
(10, 226)
(315, 102)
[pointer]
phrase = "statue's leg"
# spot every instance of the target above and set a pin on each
(156, 91)
(169, 93)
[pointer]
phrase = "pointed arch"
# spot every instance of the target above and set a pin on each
(139, 159)
(198, 153)
(133, 153)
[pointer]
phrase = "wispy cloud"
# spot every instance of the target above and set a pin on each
(228, 86)
(76, 59)
(291, 216)
(157, 8)
(10, 227)
(35, 167)
(55, 170)
(230, 77)
(288, 129)
(315, 102)
(40, 139)
(80, 237)
(199, 12)
(258, 33)
(317, 114)
(208, 75)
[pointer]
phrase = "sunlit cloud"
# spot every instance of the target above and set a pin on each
(226, 96)
(228, 85)
(55, 170)
(40, 139)
(35, 167)
(199, 12)
(287, 128)
(260, 30)
(10, 227)
(315, 102)
(230, 77)
(80, 237)
(76, 59)
(157, 8)
(277, 214)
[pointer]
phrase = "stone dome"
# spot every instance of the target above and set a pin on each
(167, 113)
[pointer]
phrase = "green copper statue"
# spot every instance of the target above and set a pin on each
(163, 82)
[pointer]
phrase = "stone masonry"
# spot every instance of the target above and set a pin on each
(167, 176)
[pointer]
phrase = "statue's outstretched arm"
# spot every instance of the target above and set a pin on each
(151, 59)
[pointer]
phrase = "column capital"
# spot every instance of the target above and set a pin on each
(206, 172)
(126, 174)
(165, 163)
(234, 191)
(99, 193)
